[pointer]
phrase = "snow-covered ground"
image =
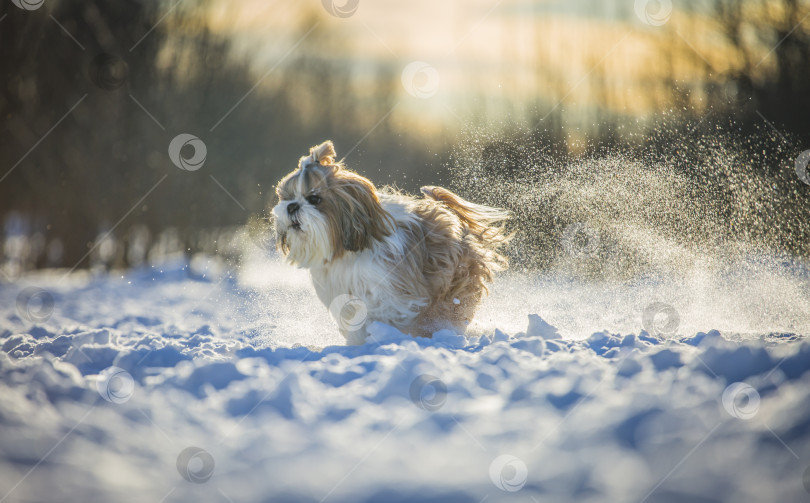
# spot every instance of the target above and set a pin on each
(200, 383)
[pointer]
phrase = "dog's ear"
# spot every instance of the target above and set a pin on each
(361, 216)
(323, 154)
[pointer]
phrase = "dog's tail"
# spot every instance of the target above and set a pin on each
(485, 222)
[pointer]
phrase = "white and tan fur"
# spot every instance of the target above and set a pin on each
(417, 264)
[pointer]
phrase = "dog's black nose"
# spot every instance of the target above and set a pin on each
(292, 208)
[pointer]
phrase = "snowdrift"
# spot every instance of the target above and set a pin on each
(195, 383)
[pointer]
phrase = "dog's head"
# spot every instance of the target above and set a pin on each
(325, 210)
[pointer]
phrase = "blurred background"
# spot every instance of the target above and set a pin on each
(659, 130)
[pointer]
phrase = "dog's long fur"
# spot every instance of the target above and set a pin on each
(417, 264)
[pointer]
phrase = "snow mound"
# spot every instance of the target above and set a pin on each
(169, 386)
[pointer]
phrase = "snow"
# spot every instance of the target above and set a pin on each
(193, 382)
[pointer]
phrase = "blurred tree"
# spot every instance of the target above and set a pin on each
(93, 93)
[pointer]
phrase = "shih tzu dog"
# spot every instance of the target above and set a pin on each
(419, 265)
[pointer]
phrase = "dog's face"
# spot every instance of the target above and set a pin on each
(325, 210)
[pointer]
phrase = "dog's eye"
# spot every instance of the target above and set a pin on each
(314, 199)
